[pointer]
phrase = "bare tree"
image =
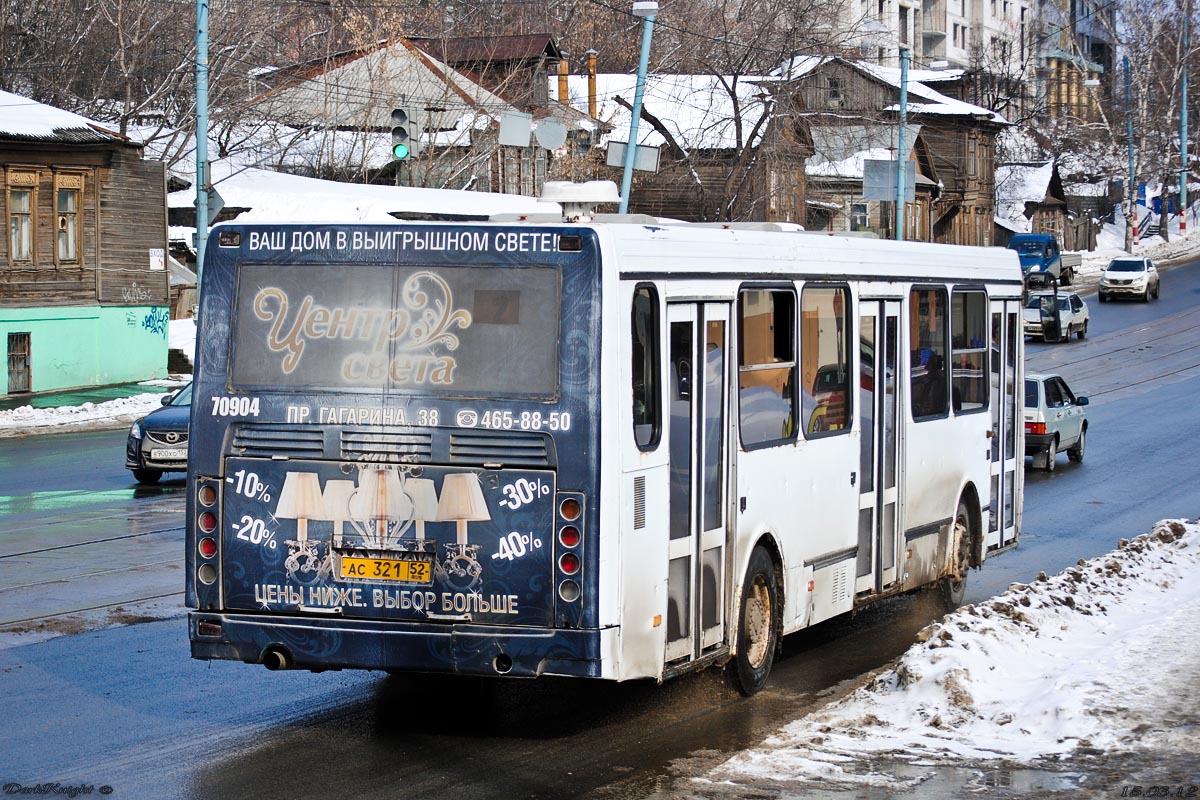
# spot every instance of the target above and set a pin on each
(1149, 34)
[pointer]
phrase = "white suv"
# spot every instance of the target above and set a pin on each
(1072, 315)
(1129, 277)
(1054, 420)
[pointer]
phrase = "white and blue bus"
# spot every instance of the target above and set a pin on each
(608, 449)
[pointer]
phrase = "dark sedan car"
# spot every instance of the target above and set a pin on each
(158, 442)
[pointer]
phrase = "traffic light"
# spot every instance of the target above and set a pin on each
(406, 133)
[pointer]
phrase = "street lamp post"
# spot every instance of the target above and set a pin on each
(202, 166)
(647, 9)
(905, 55)
(1129, 135)
(1183, 125)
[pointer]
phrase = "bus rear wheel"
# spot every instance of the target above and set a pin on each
(758, 629)
(954, 585)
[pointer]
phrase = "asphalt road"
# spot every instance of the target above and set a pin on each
(78, 534)
(127, 708)
(1140, 369)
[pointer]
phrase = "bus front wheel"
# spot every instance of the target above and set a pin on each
(758, 629)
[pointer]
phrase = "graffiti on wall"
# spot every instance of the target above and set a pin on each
(156, 321)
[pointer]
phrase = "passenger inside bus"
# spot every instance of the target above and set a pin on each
(928, 383)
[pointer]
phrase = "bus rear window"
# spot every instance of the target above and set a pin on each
(463, 331)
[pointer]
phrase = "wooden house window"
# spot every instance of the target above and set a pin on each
(859, 219)
(20, 202)
(67, 235)
(22, 216)
(68, 195)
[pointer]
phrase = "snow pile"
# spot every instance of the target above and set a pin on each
(181, 336)
(1063, 667)
(110, 413)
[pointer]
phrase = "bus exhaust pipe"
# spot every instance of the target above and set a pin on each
(277, 658)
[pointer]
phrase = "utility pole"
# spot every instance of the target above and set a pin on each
(1129, 135)
(202, 177)
(1183, 124)
(901, 161)
(647, 10)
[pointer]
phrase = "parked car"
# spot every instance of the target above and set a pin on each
(1054, 420)
(1072, 315)
(1128, 276)
(158, 442)
(1041, 258)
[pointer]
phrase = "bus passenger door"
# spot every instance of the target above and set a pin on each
(1007, 432)
(698, 402)
(878, 492)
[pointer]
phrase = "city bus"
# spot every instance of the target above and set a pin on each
(602, 448)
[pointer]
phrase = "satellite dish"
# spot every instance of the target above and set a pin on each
(551, 134)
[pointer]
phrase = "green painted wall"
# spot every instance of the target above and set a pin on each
(88, 346)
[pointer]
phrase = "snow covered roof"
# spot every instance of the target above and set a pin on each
(839, 150)
(1023, 182)
(361, 93)
(921, 98)
(698, 110)
(1018, 184)
(279, 197)
(25, 118)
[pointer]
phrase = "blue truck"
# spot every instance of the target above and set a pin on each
(1042, 259)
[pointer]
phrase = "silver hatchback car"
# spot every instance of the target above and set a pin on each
(1054, 420)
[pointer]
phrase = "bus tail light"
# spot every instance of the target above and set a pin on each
(1038, 428)
(568, 563)
(569, 547)
(205, 528)
(569, 509)
(569, 536)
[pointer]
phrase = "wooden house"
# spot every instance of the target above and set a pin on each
(339, 114)
(720, 154)
(1030, 199)
(83, 278)
(955, 151)
(513, 67)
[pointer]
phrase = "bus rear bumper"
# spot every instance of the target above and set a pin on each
(307, 643)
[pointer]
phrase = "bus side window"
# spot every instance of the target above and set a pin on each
(929, 385)
(968, 350)
(825, 360)
(766, 366)
(647, 421)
